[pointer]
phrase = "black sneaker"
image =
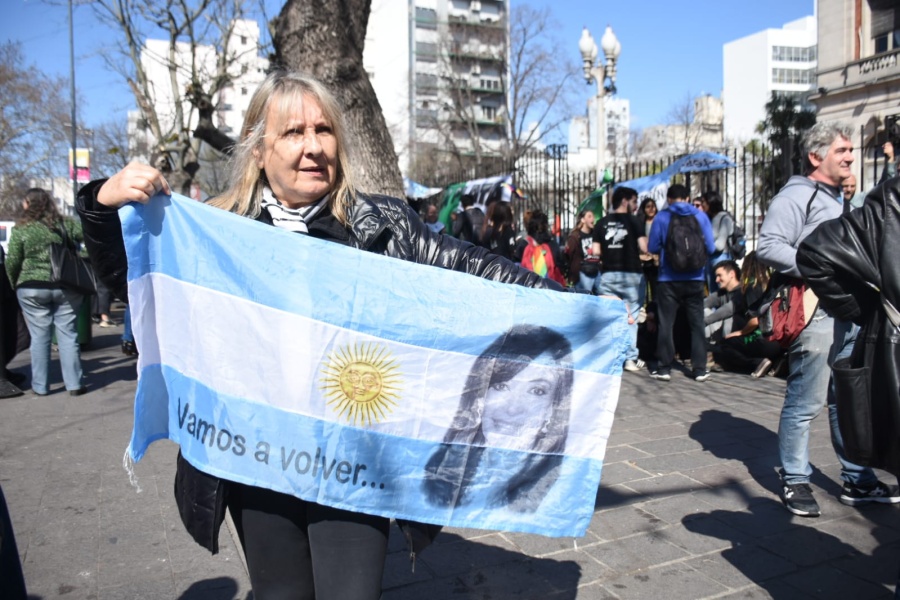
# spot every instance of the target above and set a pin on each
(880, 492)
(660, 376)
(798, 498)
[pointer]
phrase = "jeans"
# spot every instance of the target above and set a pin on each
(127, 335)
(671, 295)
(809, 388)
(630, 288)
(44, 309)
(586, 283)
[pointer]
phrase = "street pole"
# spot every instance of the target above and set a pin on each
(72, 89)
(595, 71)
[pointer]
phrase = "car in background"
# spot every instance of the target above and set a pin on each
(6, 228)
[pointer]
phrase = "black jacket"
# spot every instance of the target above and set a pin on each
(852, 265)
(379, 224)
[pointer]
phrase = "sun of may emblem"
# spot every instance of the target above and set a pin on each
(361, 383)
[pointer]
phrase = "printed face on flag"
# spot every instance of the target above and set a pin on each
(516, 410)
(299, 153)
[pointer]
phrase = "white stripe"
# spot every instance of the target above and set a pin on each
(219, 339)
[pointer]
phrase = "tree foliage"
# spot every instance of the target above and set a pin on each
(783, 126)
(33, 114)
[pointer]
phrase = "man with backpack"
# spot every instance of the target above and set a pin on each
(805, 202)
(619, 240)
(683, 237)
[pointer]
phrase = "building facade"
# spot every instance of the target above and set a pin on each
(859, 75)
(246, 69)
(583, 134)
(438, 68)
(782, 61)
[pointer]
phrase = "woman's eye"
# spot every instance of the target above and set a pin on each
(538, 391)
(323, 129)
(499, 387)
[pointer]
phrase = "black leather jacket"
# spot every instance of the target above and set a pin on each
(853, 265)
(379, 224)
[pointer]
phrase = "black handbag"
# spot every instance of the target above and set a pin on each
(69, 269)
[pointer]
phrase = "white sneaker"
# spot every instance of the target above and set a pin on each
(634, 365)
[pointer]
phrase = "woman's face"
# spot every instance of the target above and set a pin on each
(650, 209)
(299, 153)
(516, 410)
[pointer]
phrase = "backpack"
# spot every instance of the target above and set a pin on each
(737, 241)
(539, 259)
(685, 246)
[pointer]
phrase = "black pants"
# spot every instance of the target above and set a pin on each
(12, 583)
(734, 355)
(671, 295)
(302, 550)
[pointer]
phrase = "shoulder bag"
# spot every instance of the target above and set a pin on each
(69, 269)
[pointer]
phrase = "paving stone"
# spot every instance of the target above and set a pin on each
(453, 559)
(609, 496)
(676, 509)
(703, 535)
(670, 581)
(622, 522)
(665, 485)
(636, 552)
(671, 463)
(743, 565)
(806, 546)
(621, 472)
(825, 581)
(668, 446)
(622, 453)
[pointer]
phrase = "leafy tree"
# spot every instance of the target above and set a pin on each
(783, 126)
(32, 126)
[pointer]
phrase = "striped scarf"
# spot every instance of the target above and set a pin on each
(292, 219)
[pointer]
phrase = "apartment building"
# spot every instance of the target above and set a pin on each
(773, 60)
(438, 69)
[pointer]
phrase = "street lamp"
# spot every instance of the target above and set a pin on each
(596, 71)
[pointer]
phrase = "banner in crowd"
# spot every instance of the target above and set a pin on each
(365, 382)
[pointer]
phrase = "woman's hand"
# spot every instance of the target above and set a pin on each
(135, 183)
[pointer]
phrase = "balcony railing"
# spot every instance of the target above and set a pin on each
(875, 67)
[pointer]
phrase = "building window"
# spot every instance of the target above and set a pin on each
(793, 54)
(885, 20)
(244, 69)
(243, 40)
(243, 91)
(887, 42)
(489, 112)
(798, 76)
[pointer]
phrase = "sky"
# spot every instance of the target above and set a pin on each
(670, 50)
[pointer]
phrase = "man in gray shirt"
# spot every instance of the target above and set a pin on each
(801, 205)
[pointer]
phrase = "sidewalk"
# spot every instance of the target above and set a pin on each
(688, 508)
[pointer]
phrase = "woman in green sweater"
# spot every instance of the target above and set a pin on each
(45, 304)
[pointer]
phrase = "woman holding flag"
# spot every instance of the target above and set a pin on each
(291, 170)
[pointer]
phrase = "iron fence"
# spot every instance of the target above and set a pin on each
(550, 184)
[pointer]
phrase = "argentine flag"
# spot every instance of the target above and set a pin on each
(365, 382)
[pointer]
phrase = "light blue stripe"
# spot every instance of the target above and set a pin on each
(393, 299)
(391, 482)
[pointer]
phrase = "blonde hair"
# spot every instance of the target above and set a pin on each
(244, 194)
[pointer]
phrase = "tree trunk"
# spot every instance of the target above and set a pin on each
(325, 38)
